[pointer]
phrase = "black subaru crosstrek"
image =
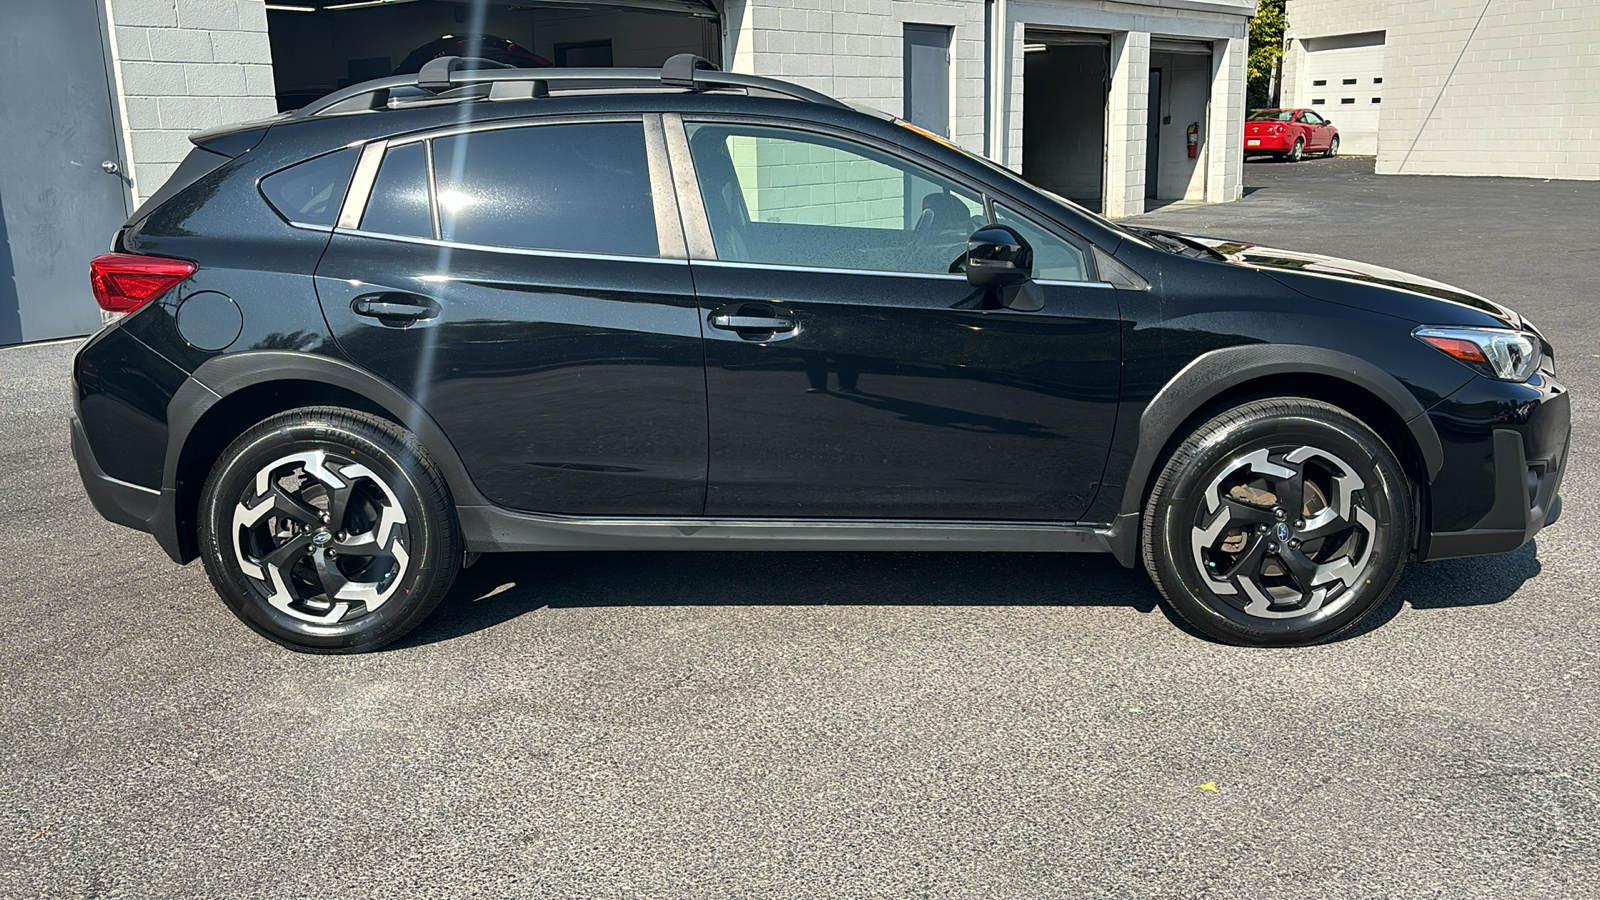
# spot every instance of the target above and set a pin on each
(476, 310)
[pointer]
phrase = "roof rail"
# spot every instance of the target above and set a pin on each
(685, 70)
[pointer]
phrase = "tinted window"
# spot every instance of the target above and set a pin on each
(399, 201)
(1053, 258)
(583, 188)
(311, 192)
(795, 198)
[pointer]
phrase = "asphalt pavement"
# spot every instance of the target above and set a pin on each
(845, 725)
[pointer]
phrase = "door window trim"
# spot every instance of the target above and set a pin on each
(663, 199)
(702, 250)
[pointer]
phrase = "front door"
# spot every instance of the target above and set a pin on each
(62, 189)
(537, 304)
(851, 370)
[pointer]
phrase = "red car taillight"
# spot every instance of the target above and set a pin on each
(1277, 129)
(124, 282)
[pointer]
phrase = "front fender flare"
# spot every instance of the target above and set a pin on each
(1212, 374)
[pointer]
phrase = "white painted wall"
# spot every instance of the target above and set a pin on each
(1185, 91)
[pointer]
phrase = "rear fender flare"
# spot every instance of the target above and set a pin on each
(222, 376)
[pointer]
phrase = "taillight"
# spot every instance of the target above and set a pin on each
(123, 282)
(1277, 129)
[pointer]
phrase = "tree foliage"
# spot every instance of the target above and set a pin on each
(1266, 51)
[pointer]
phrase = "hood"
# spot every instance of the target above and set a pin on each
(1304, 271)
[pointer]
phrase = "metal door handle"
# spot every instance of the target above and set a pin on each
(752, 323)
(110, 167)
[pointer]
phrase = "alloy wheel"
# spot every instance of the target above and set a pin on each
(321, 536)
(1284, 532)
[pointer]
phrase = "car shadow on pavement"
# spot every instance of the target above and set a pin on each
(502, 587)
(1453, 583)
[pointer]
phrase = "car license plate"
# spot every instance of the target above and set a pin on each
(1252, 142)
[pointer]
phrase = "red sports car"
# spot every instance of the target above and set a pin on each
(1289, 134)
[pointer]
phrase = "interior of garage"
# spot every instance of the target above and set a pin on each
(1064, 89)
(321, 45)
(1180, 87)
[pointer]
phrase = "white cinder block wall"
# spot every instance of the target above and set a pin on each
(1517, 93)
(182, 66)
(854, 50)
(1472, 88)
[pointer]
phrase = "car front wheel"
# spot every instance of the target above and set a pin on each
(1280, 522)
(1333, 147)
(329, 530)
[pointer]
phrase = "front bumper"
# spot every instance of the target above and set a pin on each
(1514, 462)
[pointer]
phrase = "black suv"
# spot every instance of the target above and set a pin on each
(476, 310)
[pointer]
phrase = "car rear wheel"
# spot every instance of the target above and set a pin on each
(1297, 151)
(1333, 148)
(1280, 522)
(329, 530)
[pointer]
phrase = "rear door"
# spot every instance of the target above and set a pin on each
(528, 286)
(852, 371)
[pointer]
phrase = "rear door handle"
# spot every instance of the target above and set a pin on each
(395, 308)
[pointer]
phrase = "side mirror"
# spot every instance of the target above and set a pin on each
(998, 256)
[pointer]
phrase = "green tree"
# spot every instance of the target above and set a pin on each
(1266, 52)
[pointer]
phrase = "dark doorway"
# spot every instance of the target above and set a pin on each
(1064, 116)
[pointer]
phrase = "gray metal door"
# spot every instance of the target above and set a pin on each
(58, 207)
(927, 77)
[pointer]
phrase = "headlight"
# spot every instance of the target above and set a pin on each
(1496, 352)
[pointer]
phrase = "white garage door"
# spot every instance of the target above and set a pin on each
(1344, 79)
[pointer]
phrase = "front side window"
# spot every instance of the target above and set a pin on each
(1053, 258)
(784, 197)
(579, 187)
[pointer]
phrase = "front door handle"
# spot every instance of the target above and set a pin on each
(395, 309)
(756, 321)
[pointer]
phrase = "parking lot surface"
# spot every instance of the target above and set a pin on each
(848, 725)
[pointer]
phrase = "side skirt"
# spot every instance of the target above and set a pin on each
(491, 529)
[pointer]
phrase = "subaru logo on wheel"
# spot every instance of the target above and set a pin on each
(1283, 531)
(322, 538)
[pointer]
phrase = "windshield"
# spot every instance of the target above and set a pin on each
(1272, 115)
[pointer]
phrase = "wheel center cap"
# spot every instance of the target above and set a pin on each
(1283, 531)
(323, 537)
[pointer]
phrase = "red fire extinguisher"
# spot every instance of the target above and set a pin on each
(1194, 139)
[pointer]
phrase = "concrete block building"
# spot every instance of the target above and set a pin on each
(1092, 99)
(1453, 87)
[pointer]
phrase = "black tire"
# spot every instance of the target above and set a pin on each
(1297, 151)
(1333, 148)
(1204, 543)
(320, 585)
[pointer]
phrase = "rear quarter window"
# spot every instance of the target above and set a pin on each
(311, 192)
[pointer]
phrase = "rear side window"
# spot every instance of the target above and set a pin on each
(580, 187)
(399, 201)
(310, 193)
